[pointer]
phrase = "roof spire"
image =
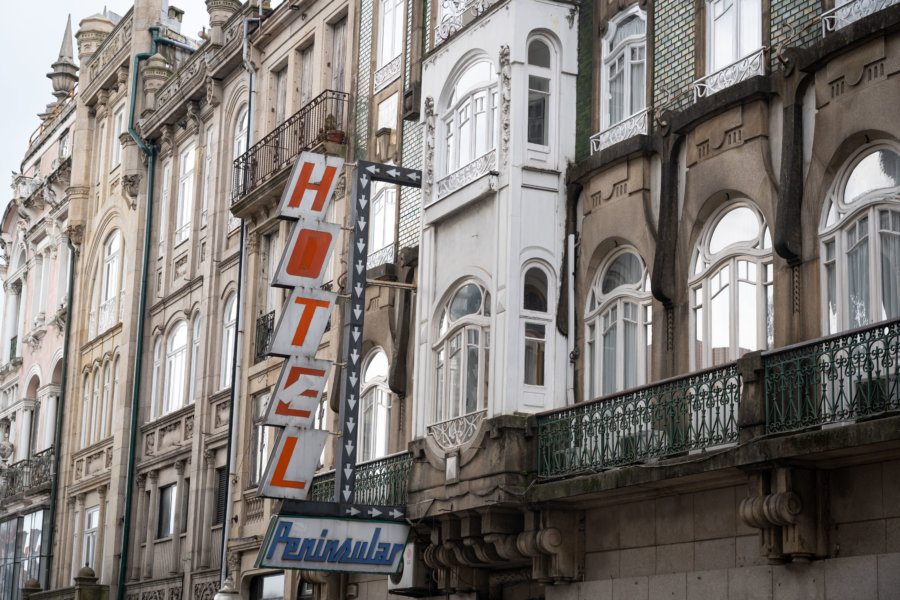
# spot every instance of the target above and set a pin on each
(66, 52)
(64, 70)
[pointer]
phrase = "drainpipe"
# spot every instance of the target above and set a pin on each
(150, 150)
(60, 403)
(239, 334)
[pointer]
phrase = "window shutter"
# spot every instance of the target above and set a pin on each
(221, 492)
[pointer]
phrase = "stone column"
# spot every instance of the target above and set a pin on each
(50, 416)
(101, 534)
(10, 323)
(24, 437)
(67, 543)
(209, 508)
(152, 512)
(79, 528)
(136, 531)
(177, 563)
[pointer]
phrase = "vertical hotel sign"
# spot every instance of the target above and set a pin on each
(292, 463)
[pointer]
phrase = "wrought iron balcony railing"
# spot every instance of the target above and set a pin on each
(632, 126)
(744, 68)
(28, 474)
(382, 481)
(662, 419)
(324, 118)
(835, 379)
(843, 15)
(265, 327)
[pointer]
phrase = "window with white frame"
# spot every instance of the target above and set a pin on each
(859, 237)
(241, 173)
(731, 286)
(382, 217)
(185, 206)
(539, 90)
(306, 74)
(176, 351)
(470, 114)
(165, 526)
(91, 525)
(462, 353)
(537, 325)
(195, 361)
(734, 30)
(85, 411)
(118, 129)
(110, 285)
(229, 320)
(280, 94)
(617, 325)
(163, 207)
(107, 391)
(95, 407)
(156, 385)
(207, 177)
(240, 133)
(259, 442)
(374, 408)
(624, 67)
(390, 31)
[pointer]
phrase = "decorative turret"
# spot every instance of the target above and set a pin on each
(65, 70)
(155, 71)
(91, 33)
(219, 13)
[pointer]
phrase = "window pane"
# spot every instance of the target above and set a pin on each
(723, 34)
(538, 95)
(467, 301)
(858, 281)
(539, 54)
(737, 225)
(455, 375)
(472, 371)
(747, 324)
(630, 358)
(608, 368)
(535, 290)
(637, 80)
(890, 274)
(720, 317)
(534, 353)
(616, 93)
(624, 270)
(879, 170)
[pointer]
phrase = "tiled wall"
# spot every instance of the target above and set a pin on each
(673, 63)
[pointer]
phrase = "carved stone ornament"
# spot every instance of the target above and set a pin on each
(167, 140)
(213, 91)
(428, 172)
(194, 121)
(131, 186)
(75, 233)
(505, 103)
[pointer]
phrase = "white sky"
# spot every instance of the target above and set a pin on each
(29, 44)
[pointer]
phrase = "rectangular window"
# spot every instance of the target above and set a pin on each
(221, 495)
(535, 344)
(538, 97)
(390, 41)
(259, 442)
(118, 128)
(735, 31)
(306, 75)
(280, 95)
(185, 196)
(207, 177)
(338, 42)
(163, 205)
(91, 523)
(167, 498)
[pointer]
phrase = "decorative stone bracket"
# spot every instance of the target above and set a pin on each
(785, 505)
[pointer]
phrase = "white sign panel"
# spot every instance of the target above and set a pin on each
(310, 188)
(304, 318)
(306, 254)
(292, 464)
(327, 544)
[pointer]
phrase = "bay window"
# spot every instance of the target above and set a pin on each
(462, 353)
(860, 241)
(618, 326)
(624, 67)
(731, 287)
(470, 116)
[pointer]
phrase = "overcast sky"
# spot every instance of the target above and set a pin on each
(29, 45)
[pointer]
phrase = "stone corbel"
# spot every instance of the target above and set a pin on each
(555, 545)
(213, 91)
(131, 187)
(195, 123)
(167, 141)
(784, 505)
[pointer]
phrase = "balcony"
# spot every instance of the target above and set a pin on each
(841, 16)
(749, 66)
(663, 419)
(833, 380)
(265, 327)
(28, 474)
(382, 481)
(324, 118)
(634, 125)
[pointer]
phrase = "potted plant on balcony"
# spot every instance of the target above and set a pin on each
(332, 133)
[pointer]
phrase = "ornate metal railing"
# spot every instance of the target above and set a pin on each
(381, 257)
(28, 474)
(482, 165)
(107, 314)
(835, 379)
(452, 17)
(312, 124)
(387, 73)
(162, 589)
(381, 481)
(841, 16)
(670, 417)
(632, 126)
(453, 433)
(265, 327)
(745, 68)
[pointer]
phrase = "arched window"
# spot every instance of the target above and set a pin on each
(229, 322)
(462, 353)
(95, 407)
(624, 67)
(240, 133)
(860, 241)
(157, 374)
(539, 89)
(470, 114)
(176, 349)
(115, 396)
(110, 285)
(537, 325)
(104, 414)
(618, 326)
(195, 360)
(375, 408)
(731, 286)
(85, 410)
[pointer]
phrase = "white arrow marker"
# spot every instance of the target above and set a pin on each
(354, 356)
(374, 512)
(352, 511)
(355, 332)
(364, 179)
(372, 169)
(351, 425)
(360, 244)
(413, 175)
(346, 493)
(358, 288)
(351, 401)
(353, 379)
(348, 471)
(359, 266)
(393, 172)
(396, 513)
(363, 201)
(362, 224)
(356, 310)
(349, 447)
